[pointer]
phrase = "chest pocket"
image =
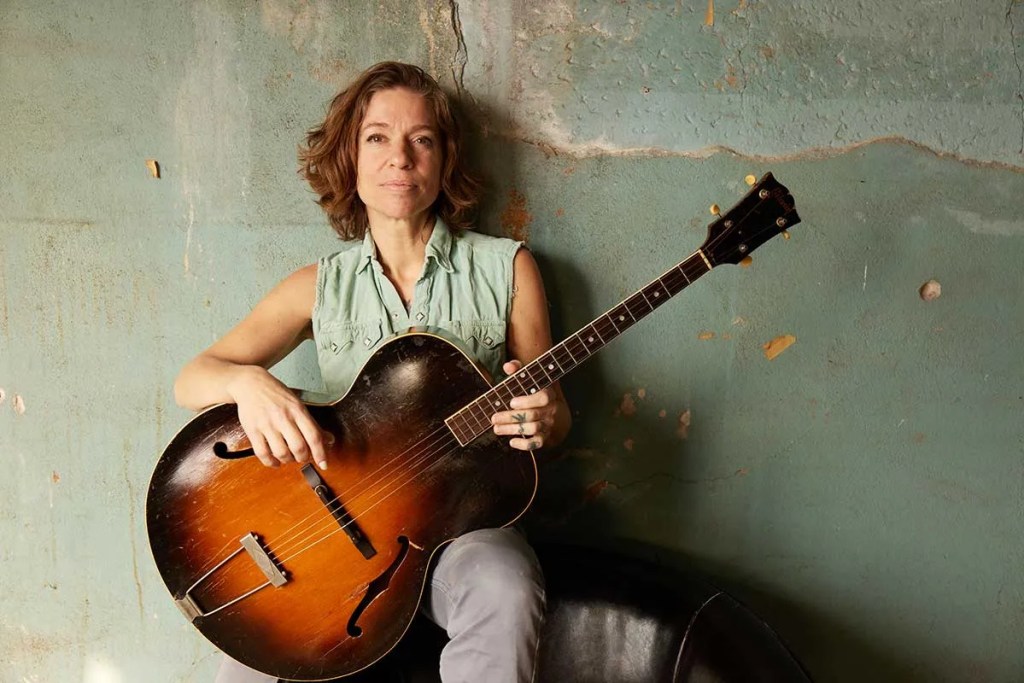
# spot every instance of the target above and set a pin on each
(485, 340)
(344, 348)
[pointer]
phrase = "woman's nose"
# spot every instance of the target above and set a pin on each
(400, 155)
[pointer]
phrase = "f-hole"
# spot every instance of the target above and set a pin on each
(376, 587)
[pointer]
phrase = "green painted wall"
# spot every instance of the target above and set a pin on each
(862, 491)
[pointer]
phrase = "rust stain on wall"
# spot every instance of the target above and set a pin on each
(515, 219)
(776, 346)
(706, 335)
(595, 490)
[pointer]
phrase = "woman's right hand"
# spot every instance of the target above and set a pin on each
(277, 423)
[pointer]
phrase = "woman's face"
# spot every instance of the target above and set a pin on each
(400, 156)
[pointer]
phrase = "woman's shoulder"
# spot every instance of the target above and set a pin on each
(478, 241)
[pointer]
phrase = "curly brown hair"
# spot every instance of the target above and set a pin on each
(328, 159)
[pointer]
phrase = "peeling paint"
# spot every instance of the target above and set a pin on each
(627, 407)
(515, 219)
(628, 444)
(987, 225)
(930, 291)
(55, 477)
(706, 335)
(3, 395)
(602, 148)
(18, 403)
(776, 346)
(662, 413)
(683, 426)
(641, 393)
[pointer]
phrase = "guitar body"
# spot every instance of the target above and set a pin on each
(405, 488)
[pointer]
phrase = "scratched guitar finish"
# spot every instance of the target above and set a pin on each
(310, 575)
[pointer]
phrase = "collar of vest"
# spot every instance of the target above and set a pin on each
(439, 247)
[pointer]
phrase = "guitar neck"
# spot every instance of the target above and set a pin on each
(474, 419)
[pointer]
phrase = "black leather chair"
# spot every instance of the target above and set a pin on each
(614, 619)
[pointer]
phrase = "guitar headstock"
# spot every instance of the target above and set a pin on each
(766, 211)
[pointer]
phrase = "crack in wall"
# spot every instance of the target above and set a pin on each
(1020, 71)
(810, 154)
(461, 55)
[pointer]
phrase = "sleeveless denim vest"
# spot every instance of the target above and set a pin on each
(465, 288)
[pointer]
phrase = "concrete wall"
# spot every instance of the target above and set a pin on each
(862, 491)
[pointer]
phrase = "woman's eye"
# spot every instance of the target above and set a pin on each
(376, 137)
(425, 141)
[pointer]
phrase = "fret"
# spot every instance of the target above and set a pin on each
(612, 321)
(494, 401)
(551, 354)
(525, 373)
(521, 387)
(565, 345)
(593, 328)
(479, 423)
(680, 269)
(625, 304)
(657, 294)
(453, 424)
(544, 370)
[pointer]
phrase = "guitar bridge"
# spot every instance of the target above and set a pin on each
(250, 544)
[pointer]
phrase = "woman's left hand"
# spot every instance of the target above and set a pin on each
(532, 417)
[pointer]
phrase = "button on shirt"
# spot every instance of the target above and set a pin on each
(465, 289)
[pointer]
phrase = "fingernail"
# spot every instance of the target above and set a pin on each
(322, 464)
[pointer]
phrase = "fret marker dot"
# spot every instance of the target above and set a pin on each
(497, 403)
(551, 366)
(657, 294)
(522, 374)
(533, 390)
(590, 339)
(621, 318)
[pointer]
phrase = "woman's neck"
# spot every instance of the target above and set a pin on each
(402, 246)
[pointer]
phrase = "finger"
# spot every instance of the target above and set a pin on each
(262, 450)
(511, 367)
(512, 418)
(528, 444)
(317, 439)
(278, 447)
(538, 400)
(295, 442)
(521, 429)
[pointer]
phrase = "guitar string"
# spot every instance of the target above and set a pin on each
(600, 321)
(608, 328)
(415, 457)
(414, 461)
(602, 324)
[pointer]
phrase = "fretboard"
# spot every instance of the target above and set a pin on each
(475, 418)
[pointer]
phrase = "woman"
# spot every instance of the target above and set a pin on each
(387, 165)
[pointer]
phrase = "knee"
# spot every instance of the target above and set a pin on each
(500, 579)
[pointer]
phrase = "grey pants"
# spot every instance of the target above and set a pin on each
(487, 592)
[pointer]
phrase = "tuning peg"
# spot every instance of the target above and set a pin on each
(750, 180)
(746, 262)
(785, 234)
(715, 211)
